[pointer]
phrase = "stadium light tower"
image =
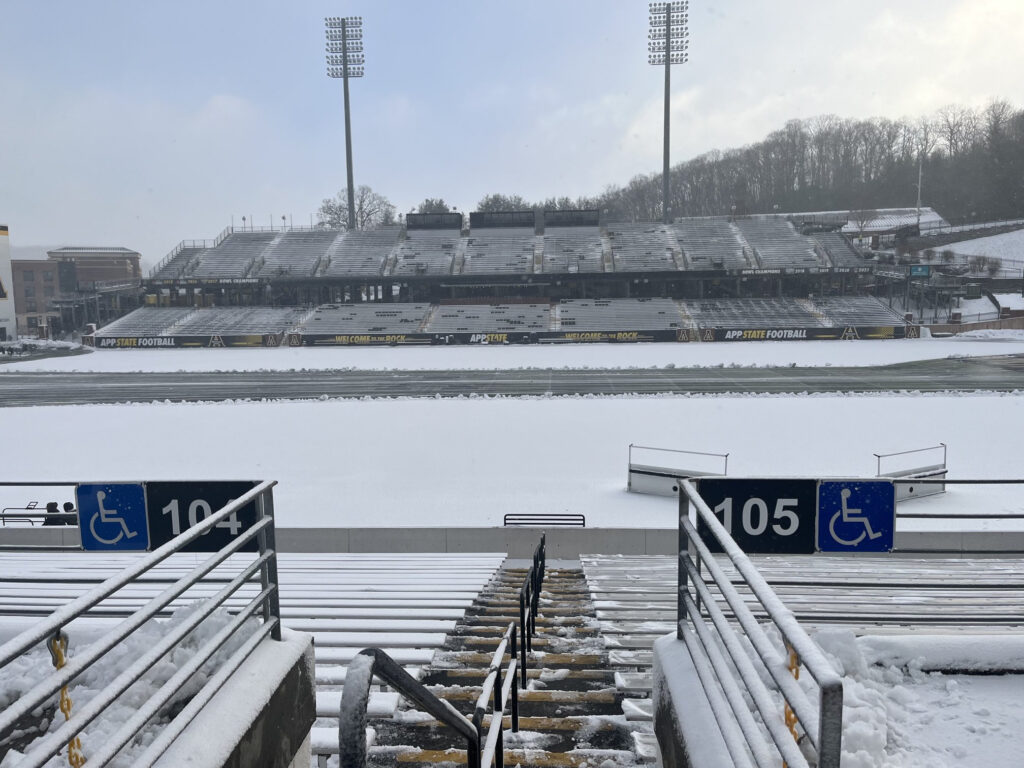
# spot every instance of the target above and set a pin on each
(345, 60)
(667, 44)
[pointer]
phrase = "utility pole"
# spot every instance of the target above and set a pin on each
(667, 44)
(344, 60)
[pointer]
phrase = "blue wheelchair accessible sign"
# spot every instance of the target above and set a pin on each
(112, 516)
(856, 515)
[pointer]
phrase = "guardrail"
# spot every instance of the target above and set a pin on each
(744, 737)
(51, 631)
(372, 662)
(543, 518)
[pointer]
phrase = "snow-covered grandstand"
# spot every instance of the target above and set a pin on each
(658, 319)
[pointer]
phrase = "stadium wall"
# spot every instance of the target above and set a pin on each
(552, 337)
(8, 317)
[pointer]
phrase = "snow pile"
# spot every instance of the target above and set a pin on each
(23, 673)
(1013, 301)
(897, 716)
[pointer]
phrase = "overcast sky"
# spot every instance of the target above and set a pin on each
(144, 123)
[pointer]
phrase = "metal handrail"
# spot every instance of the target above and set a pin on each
(267, 600)
(880, 456)
(493, 749)
(822, 724)
(373, 662)
(724, 456)
(529, 604)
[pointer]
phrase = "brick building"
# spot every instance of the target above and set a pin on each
(74, 286)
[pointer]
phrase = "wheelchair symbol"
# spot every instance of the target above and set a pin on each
(108, 517)
(851, 516)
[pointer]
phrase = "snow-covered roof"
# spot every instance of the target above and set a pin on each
(88, 250)
(891, 219)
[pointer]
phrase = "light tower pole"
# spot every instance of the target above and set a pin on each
(345, 60)
(667, 44)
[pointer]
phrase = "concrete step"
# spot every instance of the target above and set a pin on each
(577, 758)
(543, 703)
(556, 734)
(539, 679)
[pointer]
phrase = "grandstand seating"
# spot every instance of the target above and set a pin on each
(710, 243)
(841, 251)
(489, 318)
(296, 253)
(366, 318)
(362, 253)
(175, 266)
(573, 249)
(619, 315)
(777, 244)
(145, 321)
(427, 252)
(237, 320)
(641, 248)
(857, 310)
(498, 250)
(751, 313)
(234, 257)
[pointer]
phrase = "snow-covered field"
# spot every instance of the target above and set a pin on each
(435, 462)
(760, 354)
(1009, 245)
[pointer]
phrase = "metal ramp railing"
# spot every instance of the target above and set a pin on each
(727, 670)
(263, 566)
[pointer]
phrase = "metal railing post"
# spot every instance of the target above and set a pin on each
(682, 586)
(266, 540)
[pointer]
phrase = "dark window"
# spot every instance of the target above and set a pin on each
(30, 290)
(28, 276)
(48, 290)
(48, 277)
(33, 322)
(30, 305)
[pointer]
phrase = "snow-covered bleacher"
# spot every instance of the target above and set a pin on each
(175, 265)
(840, 250)
(498, 250)
(366, 318)
(710, 243)
(619, 314)
(427, 252)
(641, 248)
(146, 321)
(297, 253)
(573, 249)
(857, 310)
(238, 320)
(751, 313)
(489, 318)
(777, 244)
(405, 603)
(234, 257)
(361, 253)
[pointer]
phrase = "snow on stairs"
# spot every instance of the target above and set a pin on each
(569, 715)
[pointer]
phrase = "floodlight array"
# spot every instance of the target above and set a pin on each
(344, 46)
(667, 39)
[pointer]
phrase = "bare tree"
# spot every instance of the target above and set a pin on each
(862, 217)
(372, 210)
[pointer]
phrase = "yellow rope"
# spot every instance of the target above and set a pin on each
(791, 721)
(59, 649)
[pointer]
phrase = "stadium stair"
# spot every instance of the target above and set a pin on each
(570, 714)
